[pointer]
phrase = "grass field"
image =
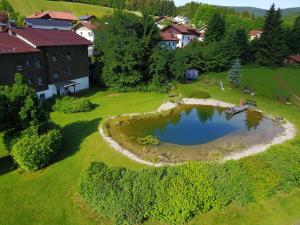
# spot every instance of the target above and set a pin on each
(50, 196)
(28, 7)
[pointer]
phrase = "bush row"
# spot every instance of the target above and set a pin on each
(173, 195)
(72, 105)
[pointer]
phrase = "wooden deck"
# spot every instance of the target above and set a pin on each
(238, 109)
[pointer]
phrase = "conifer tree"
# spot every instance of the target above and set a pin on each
(294, 37)
(234, 74)
(215, 29)
(272, 45)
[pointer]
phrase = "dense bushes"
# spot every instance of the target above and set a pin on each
(173, 195)
(33, 151)
(72, 105)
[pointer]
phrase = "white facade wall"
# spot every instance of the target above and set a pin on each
(184, 40)
(52, 89)
(89, 35)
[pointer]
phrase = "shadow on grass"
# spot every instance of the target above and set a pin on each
(73, 135)
(6, 165)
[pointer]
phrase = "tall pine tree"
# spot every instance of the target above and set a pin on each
(234, 74)
(272, 47)
(294, 37)
(215, 28)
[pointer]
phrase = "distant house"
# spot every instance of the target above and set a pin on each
(87, 18)
(163, 21)
(168, 40)
(184, 33)
(292, 59)
(255, 34)
(54, 62)
(47, 24)
(55, 15)
(181, 20)
(86, 29)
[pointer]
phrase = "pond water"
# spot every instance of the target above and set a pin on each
(197, 132)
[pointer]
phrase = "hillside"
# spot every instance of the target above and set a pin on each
(261, 12)
(30, 6)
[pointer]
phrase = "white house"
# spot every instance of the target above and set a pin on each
(181, 20)
(168, 40)
(255, 34)
(184, 33)
(86, 29)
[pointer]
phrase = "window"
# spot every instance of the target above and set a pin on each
(69, 57)
(19, 66)
(54, 58)
(30, 81)
(38, 63)
(68, 71)
(81, 33)
(42, 96)
(40, 81)
(55, 75)
(28, 63)
(90, 34)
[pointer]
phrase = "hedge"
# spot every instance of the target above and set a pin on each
(72, 105)
(173, 195)
(34, 151)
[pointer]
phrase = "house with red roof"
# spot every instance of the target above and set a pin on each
(255, 34)
(54, 15)
(292, 59)
(86, 30)
(168, 40)
(184, 33)
(54, 62)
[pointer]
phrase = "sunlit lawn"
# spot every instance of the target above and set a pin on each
(50, 196)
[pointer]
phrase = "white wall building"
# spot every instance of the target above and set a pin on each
(86, 29)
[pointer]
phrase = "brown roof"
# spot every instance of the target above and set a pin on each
(40, 37)
(296, 58)
(86, 24)
(255, 32)
(183, 29)
(59, 15)
(11, 45)
(167, 36)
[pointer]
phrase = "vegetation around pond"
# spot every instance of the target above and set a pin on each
(83, 145)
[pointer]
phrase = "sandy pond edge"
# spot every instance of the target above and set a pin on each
(288, 134)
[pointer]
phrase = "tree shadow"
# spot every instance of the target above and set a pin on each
(6, 165)
(73, 135)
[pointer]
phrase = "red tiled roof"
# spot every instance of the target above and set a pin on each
(11, 45)
(255, 32)
(86, 24)
(40, 37)
(183, 29)
(167, 36)
(54, 15)
(296, 58)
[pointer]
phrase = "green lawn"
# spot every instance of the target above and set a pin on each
(50, 196)
(28, 7)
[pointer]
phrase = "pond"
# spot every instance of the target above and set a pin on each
(193, 132)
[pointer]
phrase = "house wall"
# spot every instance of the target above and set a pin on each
(71, 63)
(89, 35)
(169, 44)
(31, 65)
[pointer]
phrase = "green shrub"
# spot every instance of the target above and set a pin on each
(33, 151)
(72, 105)
(175, 194)
(148, 140)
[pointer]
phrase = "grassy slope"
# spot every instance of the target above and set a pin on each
(50, 196)
(28, 7)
